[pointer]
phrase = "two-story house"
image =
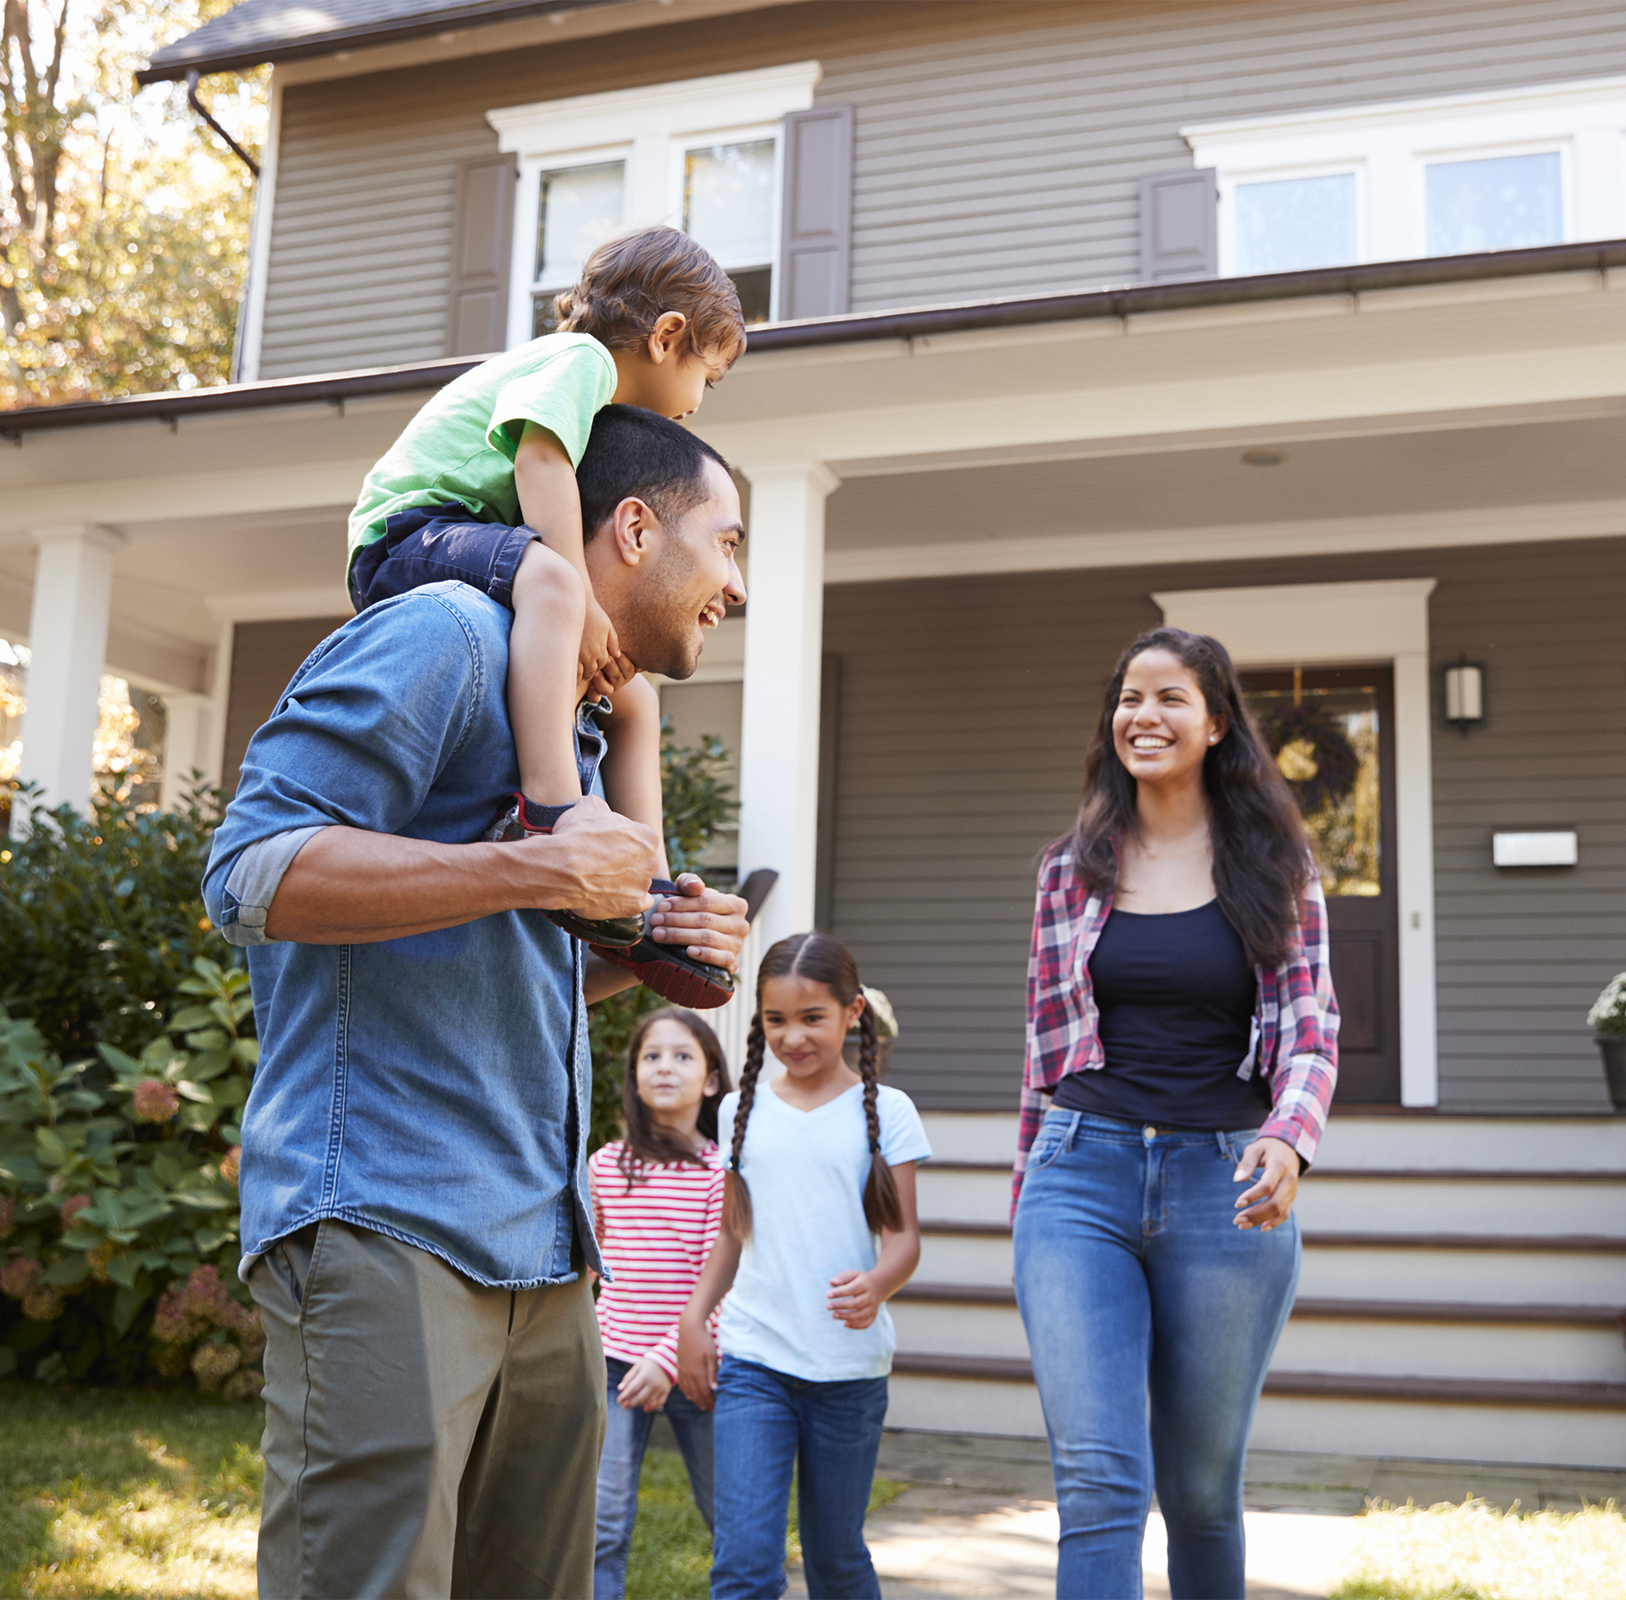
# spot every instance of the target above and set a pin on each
(1300, 322)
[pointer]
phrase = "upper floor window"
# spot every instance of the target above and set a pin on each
(704, 156)
(1449, 176)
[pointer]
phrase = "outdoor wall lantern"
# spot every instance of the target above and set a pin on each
(1465, 695)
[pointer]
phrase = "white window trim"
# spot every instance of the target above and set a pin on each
(649, 128)
(1390, 145)
(1341, 623)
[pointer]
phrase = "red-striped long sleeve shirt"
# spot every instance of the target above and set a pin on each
(654, 1238)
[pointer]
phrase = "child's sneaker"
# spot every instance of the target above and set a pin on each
(671, 971)
(523, 818)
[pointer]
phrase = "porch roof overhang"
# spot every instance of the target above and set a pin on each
(1110, 304)
(1380, 381)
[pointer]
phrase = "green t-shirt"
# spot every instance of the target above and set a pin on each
(460, 448)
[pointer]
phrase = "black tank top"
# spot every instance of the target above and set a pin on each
(1176, 995)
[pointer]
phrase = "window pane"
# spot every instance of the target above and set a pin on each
(755, 288)
(728, 201)
(580, 208)
(1292, 223)
(1501, 203)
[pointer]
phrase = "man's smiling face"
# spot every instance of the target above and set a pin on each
(664, 606)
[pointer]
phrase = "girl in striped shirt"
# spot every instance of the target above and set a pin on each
(657, 1204)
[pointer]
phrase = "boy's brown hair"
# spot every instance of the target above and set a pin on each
(629, 281)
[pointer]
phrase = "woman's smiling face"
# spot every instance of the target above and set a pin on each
(1162, 728)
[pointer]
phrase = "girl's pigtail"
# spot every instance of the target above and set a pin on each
(883, 1211)
(736, 1195)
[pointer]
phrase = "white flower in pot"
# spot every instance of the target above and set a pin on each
(886, 1029)
(1607, 1019)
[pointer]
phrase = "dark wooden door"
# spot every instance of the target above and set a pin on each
(1352, 831)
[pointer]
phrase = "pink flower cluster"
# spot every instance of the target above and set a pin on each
(20, 1276)
(155, 1101)
(188, 1310)
(8, 1215)
(23, 1278)
(71, 1207)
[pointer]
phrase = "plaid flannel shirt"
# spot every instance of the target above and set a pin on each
(1295, 1022)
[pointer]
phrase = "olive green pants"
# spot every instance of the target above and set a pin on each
(424, 1436)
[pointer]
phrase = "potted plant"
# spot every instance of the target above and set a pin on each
(886, 1028)
(1607, 1019)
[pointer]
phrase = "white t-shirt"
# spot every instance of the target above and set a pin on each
(806, 1171)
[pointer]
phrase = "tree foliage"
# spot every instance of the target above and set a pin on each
(123, 222)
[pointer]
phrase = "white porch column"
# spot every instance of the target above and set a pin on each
(67, 635)
(186, 732)
(779, 739)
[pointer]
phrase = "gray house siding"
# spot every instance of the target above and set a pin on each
(997, 152)
(965, 707)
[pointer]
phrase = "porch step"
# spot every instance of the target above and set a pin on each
(1459, 1267)
(1389, 1200)
(1460, 1296)
(1410, 1339)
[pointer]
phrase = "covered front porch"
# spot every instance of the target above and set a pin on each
(957, 519)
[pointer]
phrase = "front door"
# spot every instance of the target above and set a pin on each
(1332, 729)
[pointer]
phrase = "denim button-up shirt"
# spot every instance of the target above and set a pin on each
(434, 1088)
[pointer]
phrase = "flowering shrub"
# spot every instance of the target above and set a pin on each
(1608, 1013)
(118, 1200)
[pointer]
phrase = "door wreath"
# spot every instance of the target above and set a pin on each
(1313, 753)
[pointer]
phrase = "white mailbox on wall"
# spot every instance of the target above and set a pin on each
(1546, 849)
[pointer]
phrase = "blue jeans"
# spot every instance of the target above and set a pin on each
(626, 1437)
(1138, 1294)
(431, 544)
(767, 1424)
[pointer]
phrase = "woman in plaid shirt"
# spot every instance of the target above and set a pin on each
(1182, 1040)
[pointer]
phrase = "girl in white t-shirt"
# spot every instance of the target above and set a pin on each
(819, 1231)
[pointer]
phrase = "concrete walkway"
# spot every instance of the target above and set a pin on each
(979, 1516)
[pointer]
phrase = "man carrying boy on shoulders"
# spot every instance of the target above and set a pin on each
(415, 1216)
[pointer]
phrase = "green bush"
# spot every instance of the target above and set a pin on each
(119, 1217)
(126, 1053)
(101, 918)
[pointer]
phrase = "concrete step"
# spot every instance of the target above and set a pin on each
(1582, 1344)
(1436, 1419)
(1377, 1201)
(1562, 1269)
(1403, 1140)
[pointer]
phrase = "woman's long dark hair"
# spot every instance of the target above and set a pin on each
(1261, 855)
(823, 960)
(646, 1144)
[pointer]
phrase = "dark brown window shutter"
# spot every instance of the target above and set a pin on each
(1179, 226)
(482, 250)
(815, 257)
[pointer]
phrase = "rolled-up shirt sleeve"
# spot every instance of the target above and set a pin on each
(357, 740)
(252, 886)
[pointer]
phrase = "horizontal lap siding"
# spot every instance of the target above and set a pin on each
(998, 147)
(965, 707)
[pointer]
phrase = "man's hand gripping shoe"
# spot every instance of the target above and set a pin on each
(669, 969)
(524, 818)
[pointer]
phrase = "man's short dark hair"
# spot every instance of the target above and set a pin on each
(638, 453)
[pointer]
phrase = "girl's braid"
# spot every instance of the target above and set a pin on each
(736, 1194)
(882, 1209)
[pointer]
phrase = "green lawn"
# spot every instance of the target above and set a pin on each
(146, 1495)
(1476, 1552)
